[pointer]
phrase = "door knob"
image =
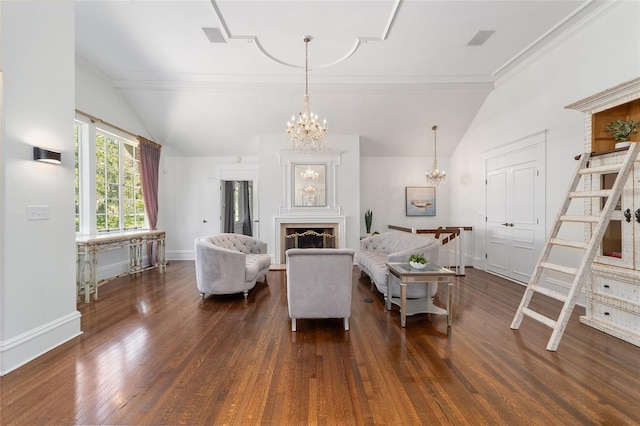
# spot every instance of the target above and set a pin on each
(204, 221)
(511, 224)
(505, 224)
(627, 215)
(638, 215)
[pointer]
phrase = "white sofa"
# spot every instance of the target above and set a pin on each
(396, 246)
(230, 263)
(319, 283)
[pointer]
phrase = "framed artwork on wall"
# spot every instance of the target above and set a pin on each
(420, 200)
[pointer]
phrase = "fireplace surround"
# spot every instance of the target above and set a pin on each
(307, 235)
(308, 232)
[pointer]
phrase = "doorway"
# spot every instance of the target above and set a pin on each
(237, 207)
(515, 207)
(213, 198)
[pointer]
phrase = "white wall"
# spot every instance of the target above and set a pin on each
(592, 58)
(383, 181)
(37, 279)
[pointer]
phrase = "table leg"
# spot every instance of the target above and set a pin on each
(162, 262)
(403, 304)
(387, 302)
(94, 274)
(449, 313)
(87, 274)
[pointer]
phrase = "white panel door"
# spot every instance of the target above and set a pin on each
(522, 221)
(211, 207)
(497, 244)
(515, 211)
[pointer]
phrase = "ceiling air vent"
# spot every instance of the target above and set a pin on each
(214, 35)
(480, 38)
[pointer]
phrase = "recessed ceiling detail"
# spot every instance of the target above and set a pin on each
(480, 38)
(214, 35)
(359, 41)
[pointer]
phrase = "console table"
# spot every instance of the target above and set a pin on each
(88, 247)
(408, 275)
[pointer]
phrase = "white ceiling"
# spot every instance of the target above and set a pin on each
(386, 70)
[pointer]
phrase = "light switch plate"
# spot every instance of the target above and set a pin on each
(37, 212)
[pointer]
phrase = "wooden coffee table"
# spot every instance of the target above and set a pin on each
(410, 276)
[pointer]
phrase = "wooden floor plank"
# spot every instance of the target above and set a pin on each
(154, 352)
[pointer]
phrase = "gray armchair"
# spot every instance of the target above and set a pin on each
(230, 263)
(319, 284)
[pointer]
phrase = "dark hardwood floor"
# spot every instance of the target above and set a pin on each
(154, 352)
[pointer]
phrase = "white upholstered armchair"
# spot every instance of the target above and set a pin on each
(230, 263)
(319, 284)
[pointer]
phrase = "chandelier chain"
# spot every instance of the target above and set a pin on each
(306, 66)
(435, 176)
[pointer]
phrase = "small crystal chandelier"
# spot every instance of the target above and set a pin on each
(306, 134)
(435, 176)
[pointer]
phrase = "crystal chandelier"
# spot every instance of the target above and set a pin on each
(310, 175)
(306, 134)
(435, 176)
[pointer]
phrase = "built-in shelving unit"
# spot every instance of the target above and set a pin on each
(613, 291)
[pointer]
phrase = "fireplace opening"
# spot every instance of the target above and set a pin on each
(301, 235)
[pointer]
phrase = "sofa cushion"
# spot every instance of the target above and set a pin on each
(256, 263)
(374, 262)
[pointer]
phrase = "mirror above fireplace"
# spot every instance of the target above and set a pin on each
(310, 183)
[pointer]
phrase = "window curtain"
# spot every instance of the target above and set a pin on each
(229, 220)
(149, 165)
(246, 209)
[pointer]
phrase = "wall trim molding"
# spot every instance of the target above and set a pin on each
(180, 255)
(29, 345)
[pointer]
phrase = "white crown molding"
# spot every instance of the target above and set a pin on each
(580, 18)
(349, 85)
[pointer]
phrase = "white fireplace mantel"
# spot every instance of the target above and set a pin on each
(341, 221)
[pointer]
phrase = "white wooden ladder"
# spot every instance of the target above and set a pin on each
(590, 248)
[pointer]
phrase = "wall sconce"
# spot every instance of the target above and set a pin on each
(46, 156)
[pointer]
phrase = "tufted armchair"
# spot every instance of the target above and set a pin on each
(230, 263)
(319, 284)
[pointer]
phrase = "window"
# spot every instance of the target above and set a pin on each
(107, 181)
(119, 202)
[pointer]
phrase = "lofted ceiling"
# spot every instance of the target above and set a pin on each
(386, 70)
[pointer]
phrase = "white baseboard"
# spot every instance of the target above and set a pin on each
(26, 347)
(113, 270)
(180, 255)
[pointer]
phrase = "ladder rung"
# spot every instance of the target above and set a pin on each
(601, 169)
(592, 219)
(539, 317)
(587, 194)
(551, 293)
(567, 243)
(565, 269)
